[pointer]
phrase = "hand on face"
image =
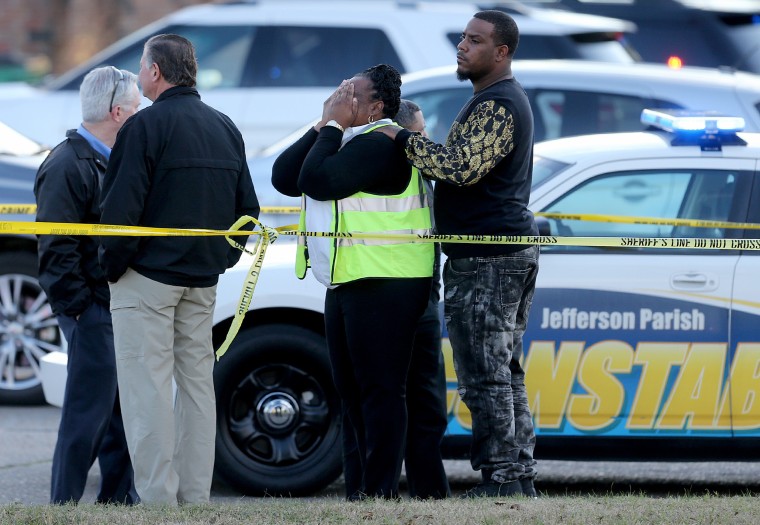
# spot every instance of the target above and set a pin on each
(341, 106)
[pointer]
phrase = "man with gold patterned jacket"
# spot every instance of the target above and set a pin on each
(483, 177)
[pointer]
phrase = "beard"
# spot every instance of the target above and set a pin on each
(471, 75)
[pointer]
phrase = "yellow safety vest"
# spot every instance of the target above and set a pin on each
(352, 259)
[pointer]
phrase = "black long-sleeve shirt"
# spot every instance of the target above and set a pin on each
(484, 170)
(317, 166)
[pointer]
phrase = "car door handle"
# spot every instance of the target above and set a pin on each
(693, 281)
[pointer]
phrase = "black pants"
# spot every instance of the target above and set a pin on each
(91, 426)
(370, 326)
(426, 405)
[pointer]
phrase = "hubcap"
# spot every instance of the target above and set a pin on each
(277, 410)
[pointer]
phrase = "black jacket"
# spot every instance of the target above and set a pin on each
(176, 164)
(67, 189)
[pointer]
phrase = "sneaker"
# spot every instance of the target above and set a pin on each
(528, 489)
(492, 489)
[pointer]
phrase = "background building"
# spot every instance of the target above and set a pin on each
(40, 37)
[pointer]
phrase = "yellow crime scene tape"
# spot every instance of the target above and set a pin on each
(30, 209)
(266, 235)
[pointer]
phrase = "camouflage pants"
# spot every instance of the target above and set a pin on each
(487, 301)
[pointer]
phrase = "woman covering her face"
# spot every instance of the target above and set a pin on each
(354, 179)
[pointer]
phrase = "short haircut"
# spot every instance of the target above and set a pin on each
(99, 86)
(406, 111)
(386, 81)
(175, 56)
(505, 30)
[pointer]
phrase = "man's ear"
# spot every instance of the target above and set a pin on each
(502, 52)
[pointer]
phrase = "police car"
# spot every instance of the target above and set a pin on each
(627, 346)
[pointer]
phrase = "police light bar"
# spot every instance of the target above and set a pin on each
(683, 120)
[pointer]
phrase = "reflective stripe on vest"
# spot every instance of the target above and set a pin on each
(302, 255)
(352, 259)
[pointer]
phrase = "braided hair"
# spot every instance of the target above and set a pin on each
(386, 81)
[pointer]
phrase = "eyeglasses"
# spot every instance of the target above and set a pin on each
(115, 87)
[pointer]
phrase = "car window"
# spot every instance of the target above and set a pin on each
(557, 113)
(563, 113)
(545, 169)
(440, 108)
(292, 56)
(222, 52)
(682, 194)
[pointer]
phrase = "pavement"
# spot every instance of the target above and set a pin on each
(28, 434)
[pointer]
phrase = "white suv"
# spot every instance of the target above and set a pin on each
(268, 64)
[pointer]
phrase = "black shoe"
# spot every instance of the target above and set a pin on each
(493, 489)
(528, 489)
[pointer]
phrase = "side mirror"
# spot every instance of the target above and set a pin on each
(544, 226)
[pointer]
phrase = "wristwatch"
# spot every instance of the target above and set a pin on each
(334, 123)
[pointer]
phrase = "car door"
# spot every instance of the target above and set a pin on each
(636, 341)
(745, 336)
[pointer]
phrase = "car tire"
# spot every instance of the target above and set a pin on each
(28, 329)
(278, 424)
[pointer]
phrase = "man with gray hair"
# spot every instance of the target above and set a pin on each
(67, 188)
(178, 164)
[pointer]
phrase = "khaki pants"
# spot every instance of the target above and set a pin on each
(160, 332)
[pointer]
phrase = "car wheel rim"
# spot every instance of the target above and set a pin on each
(278, 415)
(28, 331)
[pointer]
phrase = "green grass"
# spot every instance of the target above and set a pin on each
(627, 510)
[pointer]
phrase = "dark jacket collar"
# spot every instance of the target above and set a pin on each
(177, 91)
(82, 148)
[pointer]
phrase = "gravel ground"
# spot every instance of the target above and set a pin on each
(27, 439)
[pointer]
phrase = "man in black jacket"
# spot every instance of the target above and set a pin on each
(178, 164)
(67, 189)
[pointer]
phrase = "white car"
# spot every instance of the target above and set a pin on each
(268, 64)
(635, 352)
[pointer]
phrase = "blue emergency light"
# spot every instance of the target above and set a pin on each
(709, 130)
(684, 121)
